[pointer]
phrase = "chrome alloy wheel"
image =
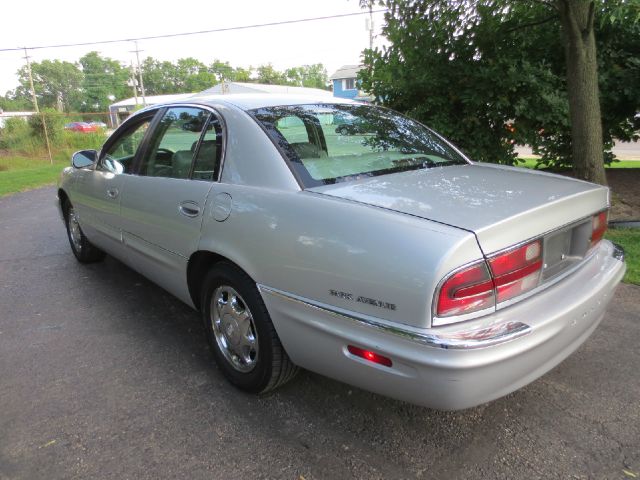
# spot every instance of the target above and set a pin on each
(233, 329)
(74, 230)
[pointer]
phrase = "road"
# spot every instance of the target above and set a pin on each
(104, 375)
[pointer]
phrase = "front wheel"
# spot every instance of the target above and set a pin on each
(245, 344)
(81, 247)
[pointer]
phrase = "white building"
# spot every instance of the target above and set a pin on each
(121, 110)
(4, 116)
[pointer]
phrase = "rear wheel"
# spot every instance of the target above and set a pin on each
(245, 344)
(81, 247)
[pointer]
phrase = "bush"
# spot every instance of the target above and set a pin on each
(17, 136)
(55, 126)
(83, 141)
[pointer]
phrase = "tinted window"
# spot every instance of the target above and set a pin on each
(173, 144)
(337, 143)
(118, 157)
(209, 152)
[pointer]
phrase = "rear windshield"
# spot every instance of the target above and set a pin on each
(327, 144)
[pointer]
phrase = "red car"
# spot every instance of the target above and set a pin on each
(82, 127)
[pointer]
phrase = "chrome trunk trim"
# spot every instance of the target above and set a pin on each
(463, 339)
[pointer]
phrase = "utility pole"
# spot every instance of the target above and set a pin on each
(370, 25)
(137, 52)
(134, 83)
(35, 105)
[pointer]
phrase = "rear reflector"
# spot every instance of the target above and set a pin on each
(369, 356)
(598, 226)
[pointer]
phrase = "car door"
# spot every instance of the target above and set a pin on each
(98, 190)
(162, 205)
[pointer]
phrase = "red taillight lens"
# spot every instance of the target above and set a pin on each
(477, 287)
(466, 291)
(517, 270)
(598, 226)
(369, 355)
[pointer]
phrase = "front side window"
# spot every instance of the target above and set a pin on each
(327, 144)
(173, 145)
(119, 156)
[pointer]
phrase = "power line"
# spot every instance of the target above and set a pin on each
(200, 32)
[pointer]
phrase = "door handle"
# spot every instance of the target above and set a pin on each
(189, 209)
(112, 193)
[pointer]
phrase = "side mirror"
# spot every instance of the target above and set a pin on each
(84, 158)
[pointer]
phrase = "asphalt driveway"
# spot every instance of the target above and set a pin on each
(104, 375)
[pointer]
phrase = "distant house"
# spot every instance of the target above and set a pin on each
(346, 84)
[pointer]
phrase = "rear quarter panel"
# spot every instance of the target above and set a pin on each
(309, 245)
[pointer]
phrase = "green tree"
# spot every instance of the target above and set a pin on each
(222, 71)
(193, 76)
(58, 84)
(159, 77)
(242, 74)
(269, 75)
(104, 80)
(9, 103)
(311, 76)
(492, 73)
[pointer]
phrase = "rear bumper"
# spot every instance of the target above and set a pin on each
(457, 366)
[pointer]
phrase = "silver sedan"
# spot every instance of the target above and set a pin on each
(349, 240)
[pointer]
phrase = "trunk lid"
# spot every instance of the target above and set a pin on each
(502, 205)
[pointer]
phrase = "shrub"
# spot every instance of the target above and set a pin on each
(17, 136)
(55, 126)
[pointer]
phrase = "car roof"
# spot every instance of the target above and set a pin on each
(250, 101)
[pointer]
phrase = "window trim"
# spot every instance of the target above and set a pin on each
(223, 127)
(157, 112)
(217, 164)
(345, 84)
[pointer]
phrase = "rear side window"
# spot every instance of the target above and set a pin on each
(209, 152)
(327, 144)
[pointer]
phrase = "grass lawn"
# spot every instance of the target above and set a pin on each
(629, 239)
(18, 174)
(530, 162)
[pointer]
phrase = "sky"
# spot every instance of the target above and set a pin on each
(333, 42)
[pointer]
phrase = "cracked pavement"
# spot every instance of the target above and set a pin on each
(105, 375)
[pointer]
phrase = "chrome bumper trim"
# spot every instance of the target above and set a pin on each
(456, 340)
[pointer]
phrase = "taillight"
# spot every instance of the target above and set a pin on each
(516, 271)
(466, 291)
(598, 226)
(477, 287)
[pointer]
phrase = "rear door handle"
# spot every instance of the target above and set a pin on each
(189, 209)
(112, 193)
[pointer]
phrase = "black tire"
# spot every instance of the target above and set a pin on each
(270, 367)
(82, 248)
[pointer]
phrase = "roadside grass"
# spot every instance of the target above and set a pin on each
(530, 162)
(629, 239)
(20, 173)
(24, 163)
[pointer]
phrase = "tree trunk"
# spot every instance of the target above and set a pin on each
(577, 17)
